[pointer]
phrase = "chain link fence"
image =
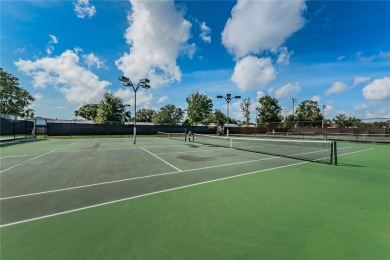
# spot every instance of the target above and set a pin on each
(367, 130)
(13, 128)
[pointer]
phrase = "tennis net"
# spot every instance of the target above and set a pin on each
(307, 150)
(173, 136)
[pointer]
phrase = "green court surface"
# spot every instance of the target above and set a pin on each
(166, 199)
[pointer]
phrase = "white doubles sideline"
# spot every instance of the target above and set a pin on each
(142, 177)
(152, 193)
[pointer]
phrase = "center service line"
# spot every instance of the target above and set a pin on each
(160, 159)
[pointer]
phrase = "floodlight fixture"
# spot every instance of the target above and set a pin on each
(219, 96)
(145, 81)
(127, 84)
(123, 78)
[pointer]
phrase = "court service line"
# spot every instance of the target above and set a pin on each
(145, 195)
(76, 141)
(91, 149)
(132, 179)
(161, 159)
(151, 176)
(209, 150)
(162, 191)
(27, 161)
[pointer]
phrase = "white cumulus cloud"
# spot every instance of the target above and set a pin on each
(83, 8)
(78, 84)
(157, 34)
(205, 32)
(144, 97)
(259, 94)
(50, 44)
(358, 80)
(256, 26)
(53, 39)
(38, 97)
(162, 99)
(316, 98)
(378, 90)
(284, 55)
(363, 107)
(93, 61)
(251, 73)
(337, 87)
(289, 89)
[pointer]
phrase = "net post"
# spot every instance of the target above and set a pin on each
(334, 152)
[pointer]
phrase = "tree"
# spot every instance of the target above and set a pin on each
(289, 120)
(199, 107)
(216, 117)
(269, 110)
(168, 115)
(340, 120)
(14, 100)
(309, 112)
(245, 109)
(145, 115)
(354, 122)
(110, 110)
(88, 111)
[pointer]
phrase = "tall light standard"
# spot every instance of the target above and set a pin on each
(228, 98)
(294, 100)
(144, 83)
(323, 115)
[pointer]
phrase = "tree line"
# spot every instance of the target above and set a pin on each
(16, 101)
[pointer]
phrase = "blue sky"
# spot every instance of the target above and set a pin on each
(69, 53)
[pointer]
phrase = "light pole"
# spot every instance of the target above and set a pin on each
(323, 115)
(294, 100)
(228, 98)
(144, 83)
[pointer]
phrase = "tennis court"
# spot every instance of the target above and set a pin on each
(167, 198)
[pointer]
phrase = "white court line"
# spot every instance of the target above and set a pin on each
(76, 141)
(161, 159)
(197, 151)
(151, 176)
(114, 148)
(157, 192)
(145, 195)
(135, 178)
(27, 161)
(91, 149)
